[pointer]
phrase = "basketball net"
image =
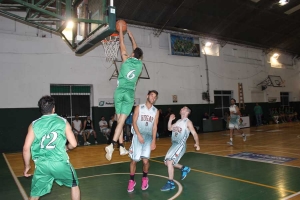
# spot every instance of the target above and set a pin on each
(111, 47)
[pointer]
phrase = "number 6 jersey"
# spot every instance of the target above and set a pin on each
(129, 73)
(145, 120)
(49, 139)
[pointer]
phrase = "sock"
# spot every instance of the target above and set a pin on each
(121, 145)
(231, 139)
(243, 134)
(114, 143)
(132, 177)
(145, 174)
(171, 181)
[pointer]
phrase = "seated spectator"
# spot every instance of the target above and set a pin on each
(111, 121)
(104, 127)
(88, 128)
(77, 130)
(205, 116)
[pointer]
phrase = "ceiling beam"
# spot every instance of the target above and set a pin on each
(34, 7)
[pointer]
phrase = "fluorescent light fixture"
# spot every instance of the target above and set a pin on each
(275, 55)
(283, 2)
(208, 44)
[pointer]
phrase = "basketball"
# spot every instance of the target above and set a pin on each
(123, 24)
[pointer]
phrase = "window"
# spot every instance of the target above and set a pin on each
(72, 99)
(284, 98)
(222, 101)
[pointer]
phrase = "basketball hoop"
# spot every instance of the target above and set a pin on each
(111, 47)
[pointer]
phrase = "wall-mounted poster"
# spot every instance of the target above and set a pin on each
(184, 46)
(174, 97)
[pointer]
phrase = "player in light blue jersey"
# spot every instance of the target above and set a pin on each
(144, 129)
(234, 122)
(180, 133)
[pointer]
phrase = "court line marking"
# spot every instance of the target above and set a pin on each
(180, 188)
(290, 196)
(19, 185)
(286, 165)
(236, 179)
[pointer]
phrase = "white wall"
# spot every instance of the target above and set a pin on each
(29, 63)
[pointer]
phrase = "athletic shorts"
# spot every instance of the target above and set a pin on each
(137, 151)
(76, 133)
(175, 152)
(124, 100)
(234, 123)
(88, 130)
(62, 172)
(105, 130)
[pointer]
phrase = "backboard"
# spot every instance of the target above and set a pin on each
(98, 22)
(271, 80)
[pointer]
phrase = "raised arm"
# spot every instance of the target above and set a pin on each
(170, 126)
(134, 46)
(122, 45)
(195, 135)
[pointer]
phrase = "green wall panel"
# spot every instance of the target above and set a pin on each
(15, 121)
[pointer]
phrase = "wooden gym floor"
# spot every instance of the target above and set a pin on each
(214, 174)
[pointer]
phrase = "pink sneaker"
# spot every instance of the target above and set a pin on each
(145, 183)
(131, 185)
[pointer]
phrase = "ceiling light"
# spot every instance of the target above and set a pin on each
(208, 44)
(70, 24)
(275, 55)
(283, 2)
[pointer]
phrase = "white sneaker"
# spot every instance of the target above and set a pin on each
(88, 143)
(230, 143)
(123, 151)
(96, 142)
(244, 137)
(109, 151)
(85, 144)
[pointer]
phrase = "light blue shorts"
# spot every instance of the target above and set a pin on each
(137, 151)
(175, 152)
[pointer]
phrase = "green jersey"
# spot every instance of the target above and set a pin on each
(49, 139)
(129, 73)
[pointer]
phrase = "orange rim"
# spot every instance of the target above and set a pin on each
(115, 35)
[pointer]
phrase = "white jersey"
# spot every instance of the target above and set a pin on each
(77, 124)
(180, 131)
(232, 108)
(145, 120)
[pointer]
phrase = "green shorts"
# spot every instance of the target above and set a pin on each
(62, 172)
(124, 100)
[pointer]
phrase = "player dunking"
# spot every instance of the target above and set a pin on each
(180, 133)
(234, 121)
(144, 129)
(130, 71)
(45, 142)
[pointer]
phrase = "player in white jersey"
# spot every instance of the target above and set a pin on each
(234, 121)
(144, 129)
(180, 133)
